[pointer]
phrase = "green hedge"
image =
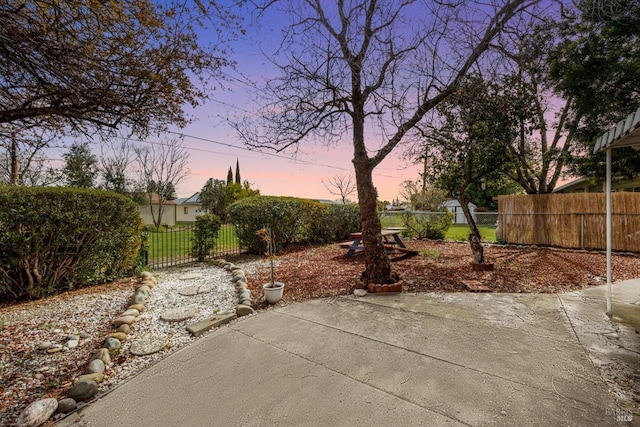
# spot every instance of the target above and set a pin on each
(205, 235)
(291, 220)
(55, 239)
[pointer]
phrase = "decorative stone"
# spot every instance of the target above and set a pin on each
(83, 390)
(219, 262)
(125, 329)
(66, 405)
(235, 268)
(96, 366)
(44, 345)
(148, 344)
(120, 336)
(244, 310)
(189, 291)
(190, 276)
(73, 337)
(229, 266)
(242, 285)
(54, 349)
(72, 343)
(38, 376)
(131, 312)
(244, 293)
(178, 314)
(145, 274)
(205, 289)
(139, 297)
(144, 288)
(112, 344)
(238, 272)
(236, 279)
(124, 320)
(359, 292)
(97, 377)
(140, 307)
(102, 354)
(37, 413)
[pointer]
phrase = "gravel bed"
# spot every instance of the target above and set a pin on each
(29, 373)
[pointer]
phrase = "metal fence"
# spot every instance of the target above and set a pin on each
(173, 246)
(396, 218)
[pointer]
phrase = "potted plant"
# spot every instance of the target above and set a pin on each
(272, 290)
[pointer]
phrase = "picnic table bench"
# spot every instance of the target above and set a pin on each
(390, 238)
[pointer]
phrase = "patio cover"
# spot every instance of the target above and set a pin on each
(625, 134)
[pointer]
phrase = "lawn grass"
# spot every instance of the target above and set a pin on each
(461, 232)
(176, 242)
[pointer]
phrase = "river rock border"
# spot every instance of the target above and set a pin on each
(85, 386)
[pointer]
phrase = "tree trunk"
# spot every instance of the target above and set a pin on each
(477, 251)
(377, 265)
(13, 154)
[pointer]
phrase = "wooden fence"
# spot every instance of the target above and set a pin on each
(576, 220)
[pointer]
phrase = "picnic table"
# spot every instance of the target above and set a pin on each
(390, 238)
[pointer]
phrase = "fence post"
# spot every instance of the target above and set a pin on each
(582, 231)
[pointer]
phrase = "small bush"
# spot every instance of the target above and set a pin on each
(426, 226)
(55, 239)
(205, 235)
(284, 216)
(335, 223)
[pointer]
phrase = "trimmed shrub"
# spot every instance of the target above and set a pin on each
(205, 235)
(335, 223)
(55, 239)
(427, 226)
(284, 216)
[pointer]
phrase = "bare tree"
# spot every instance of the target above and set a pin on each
(117, 156)
(341, 185)
(372, 69)
(22, 162)
(163, 165)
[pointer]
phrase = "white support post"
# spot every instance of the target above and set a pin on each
(608, 180)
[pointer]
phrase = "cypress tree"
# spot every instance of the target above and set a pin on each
(230, 176)
(237, 172)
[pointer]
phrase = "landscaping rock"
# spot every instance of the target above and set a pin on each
(131, 312)
(102, 354)
(178, 314)
(72, 343)
(66, 405)
(93, 377)
(120, 336)
(37, 413)
(83, 390)
(359, 292)
(140, 307)
(189, 291)
(125, 329)
(146, 274)
(148, 344)
(124, 320)
(96, 366)
(112, 344)
(244, 310)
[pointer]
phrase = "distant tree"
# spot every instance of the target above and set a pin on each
(116, 160)
(342, 186)
(162, 167)
(21, 159)
(230, 176)
(81, 166)
(216, 195)
(423, 197)
(238, 181)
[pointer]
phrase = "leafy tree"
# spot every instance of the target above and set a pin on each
(478, 122)
(107, 64)
(162, 166)
(216, 196)
(352, 67)
(423, 197)
(342, 186)
(81, 166)
(597, 63)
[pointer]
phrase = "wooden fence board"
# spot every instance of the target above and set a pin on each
(576, 220)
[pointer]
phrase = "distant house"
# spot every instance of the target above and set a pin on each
(455, 207)
(588, 185)
(168, 211)
(187, 209)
